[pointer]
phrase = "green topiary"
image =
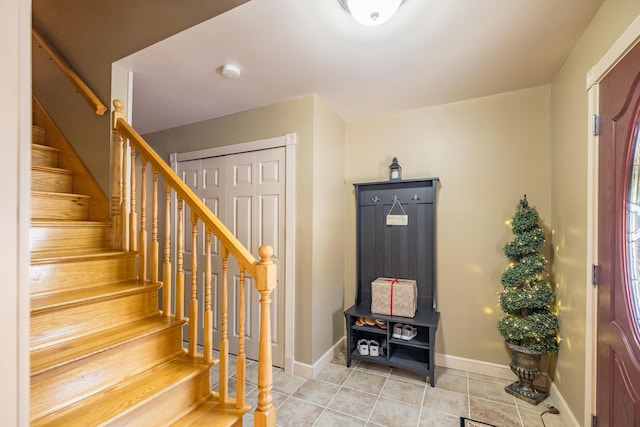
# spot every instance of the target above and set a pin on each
(527, 297)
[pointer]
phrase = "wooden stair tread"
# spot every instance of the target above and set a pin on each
(72, 255)
(53, 194)
(67, 223)
(44, 148)
(44, 302)
(213, 413)
(51, 170)
(53, 356)
(123, 397)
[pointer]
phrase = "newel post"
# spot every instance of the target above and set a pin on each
(265, 282)
(117, 181)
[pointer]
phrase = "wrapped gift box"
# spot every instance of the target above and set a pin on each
(395, 297)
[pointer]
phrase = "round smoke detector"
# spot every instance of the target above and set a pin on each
(230, 71)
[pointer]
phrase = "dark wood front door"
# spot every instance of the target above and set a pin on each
(618, 347)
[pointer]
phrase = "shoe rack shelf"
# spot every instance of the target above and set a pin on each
(414, 355)
(402, 252)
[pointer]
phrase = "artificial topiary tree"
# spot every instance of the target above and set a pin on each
(528, 296)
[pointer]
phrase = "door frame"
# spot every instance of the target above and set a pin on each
(287, 141)
(629, 38)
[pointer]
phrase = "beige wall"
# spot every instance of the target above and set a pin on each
(569, 195)
(487, 152)
(319, 211)
(328, 229)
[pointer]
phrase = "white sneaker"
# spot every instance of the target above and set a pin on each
(397, 330)
(409, 333)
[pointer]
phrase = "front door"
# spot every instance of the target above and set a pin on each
(618, 331)
(246, 191)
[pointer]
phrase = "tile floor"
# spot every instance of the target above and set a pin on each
(373, 395)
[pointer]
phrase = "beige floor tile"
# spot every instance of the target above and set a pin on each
(297, 413)
(374, 367)
(433, 418)
(532, 419)
(441, 369)
(490, 389)
(403, 391)
(494, 413)
(409, 376)
(331, 418)
(449, 402)
(365, 381)
(392, 413)
(286, 383)
(317, 392)
(334, 373)
(452, 381)
(354, 403)
(543, 406)
(341, 359)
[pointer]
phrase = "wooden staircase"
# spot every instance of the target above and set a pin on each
(102, 353)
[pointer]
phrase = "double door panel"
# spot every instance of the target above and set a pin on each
(246, 192)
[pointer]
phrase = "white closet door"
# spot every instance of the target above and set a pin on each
(246, 191)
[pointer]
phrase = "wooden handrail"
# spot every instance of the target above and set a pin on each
(64, 66)
(240, 253)
(125, 138)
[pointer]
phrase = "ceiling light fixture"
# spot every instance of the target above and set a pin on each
(371, 12)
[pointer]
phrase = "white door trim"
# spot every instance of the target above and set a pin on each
(287, 141)
(629, 38)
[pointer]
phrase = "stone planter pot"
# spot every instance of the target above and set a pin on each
(526, 365)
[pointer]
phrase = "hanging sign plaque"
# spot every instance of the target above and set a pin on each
(397, 219)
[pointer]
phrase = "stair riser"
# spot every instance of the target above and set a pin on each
(68, 207)
(57, 325)
(54, 181)
(44, 156)
(37, 135)
(174, 403)
(52, 238)
(61, 276)
(53, 390)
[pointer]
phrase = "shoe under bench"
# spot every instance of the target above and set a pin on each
(415, 355)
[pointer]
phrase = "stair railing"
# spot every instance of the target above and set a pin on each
(127, 236)
(91, 98)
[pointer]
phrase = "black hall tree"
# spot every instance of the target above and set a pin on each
(392, 248)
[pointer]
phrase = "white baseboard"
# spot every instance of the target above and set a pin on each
(561, 405)
(475, 366)
(311, 371)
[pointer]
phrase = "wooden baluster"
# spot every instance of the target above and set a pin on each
(224, 341)
(124, 210)
(193, 306)
(179, 268)
(133, 216)
(241, 359)
(265, 282)
(116, 176)
(142, 243)
(166, 266)
(208, 312)
(155, 246)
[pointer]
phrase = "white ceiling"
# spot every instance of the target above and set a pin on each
(432, 52)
